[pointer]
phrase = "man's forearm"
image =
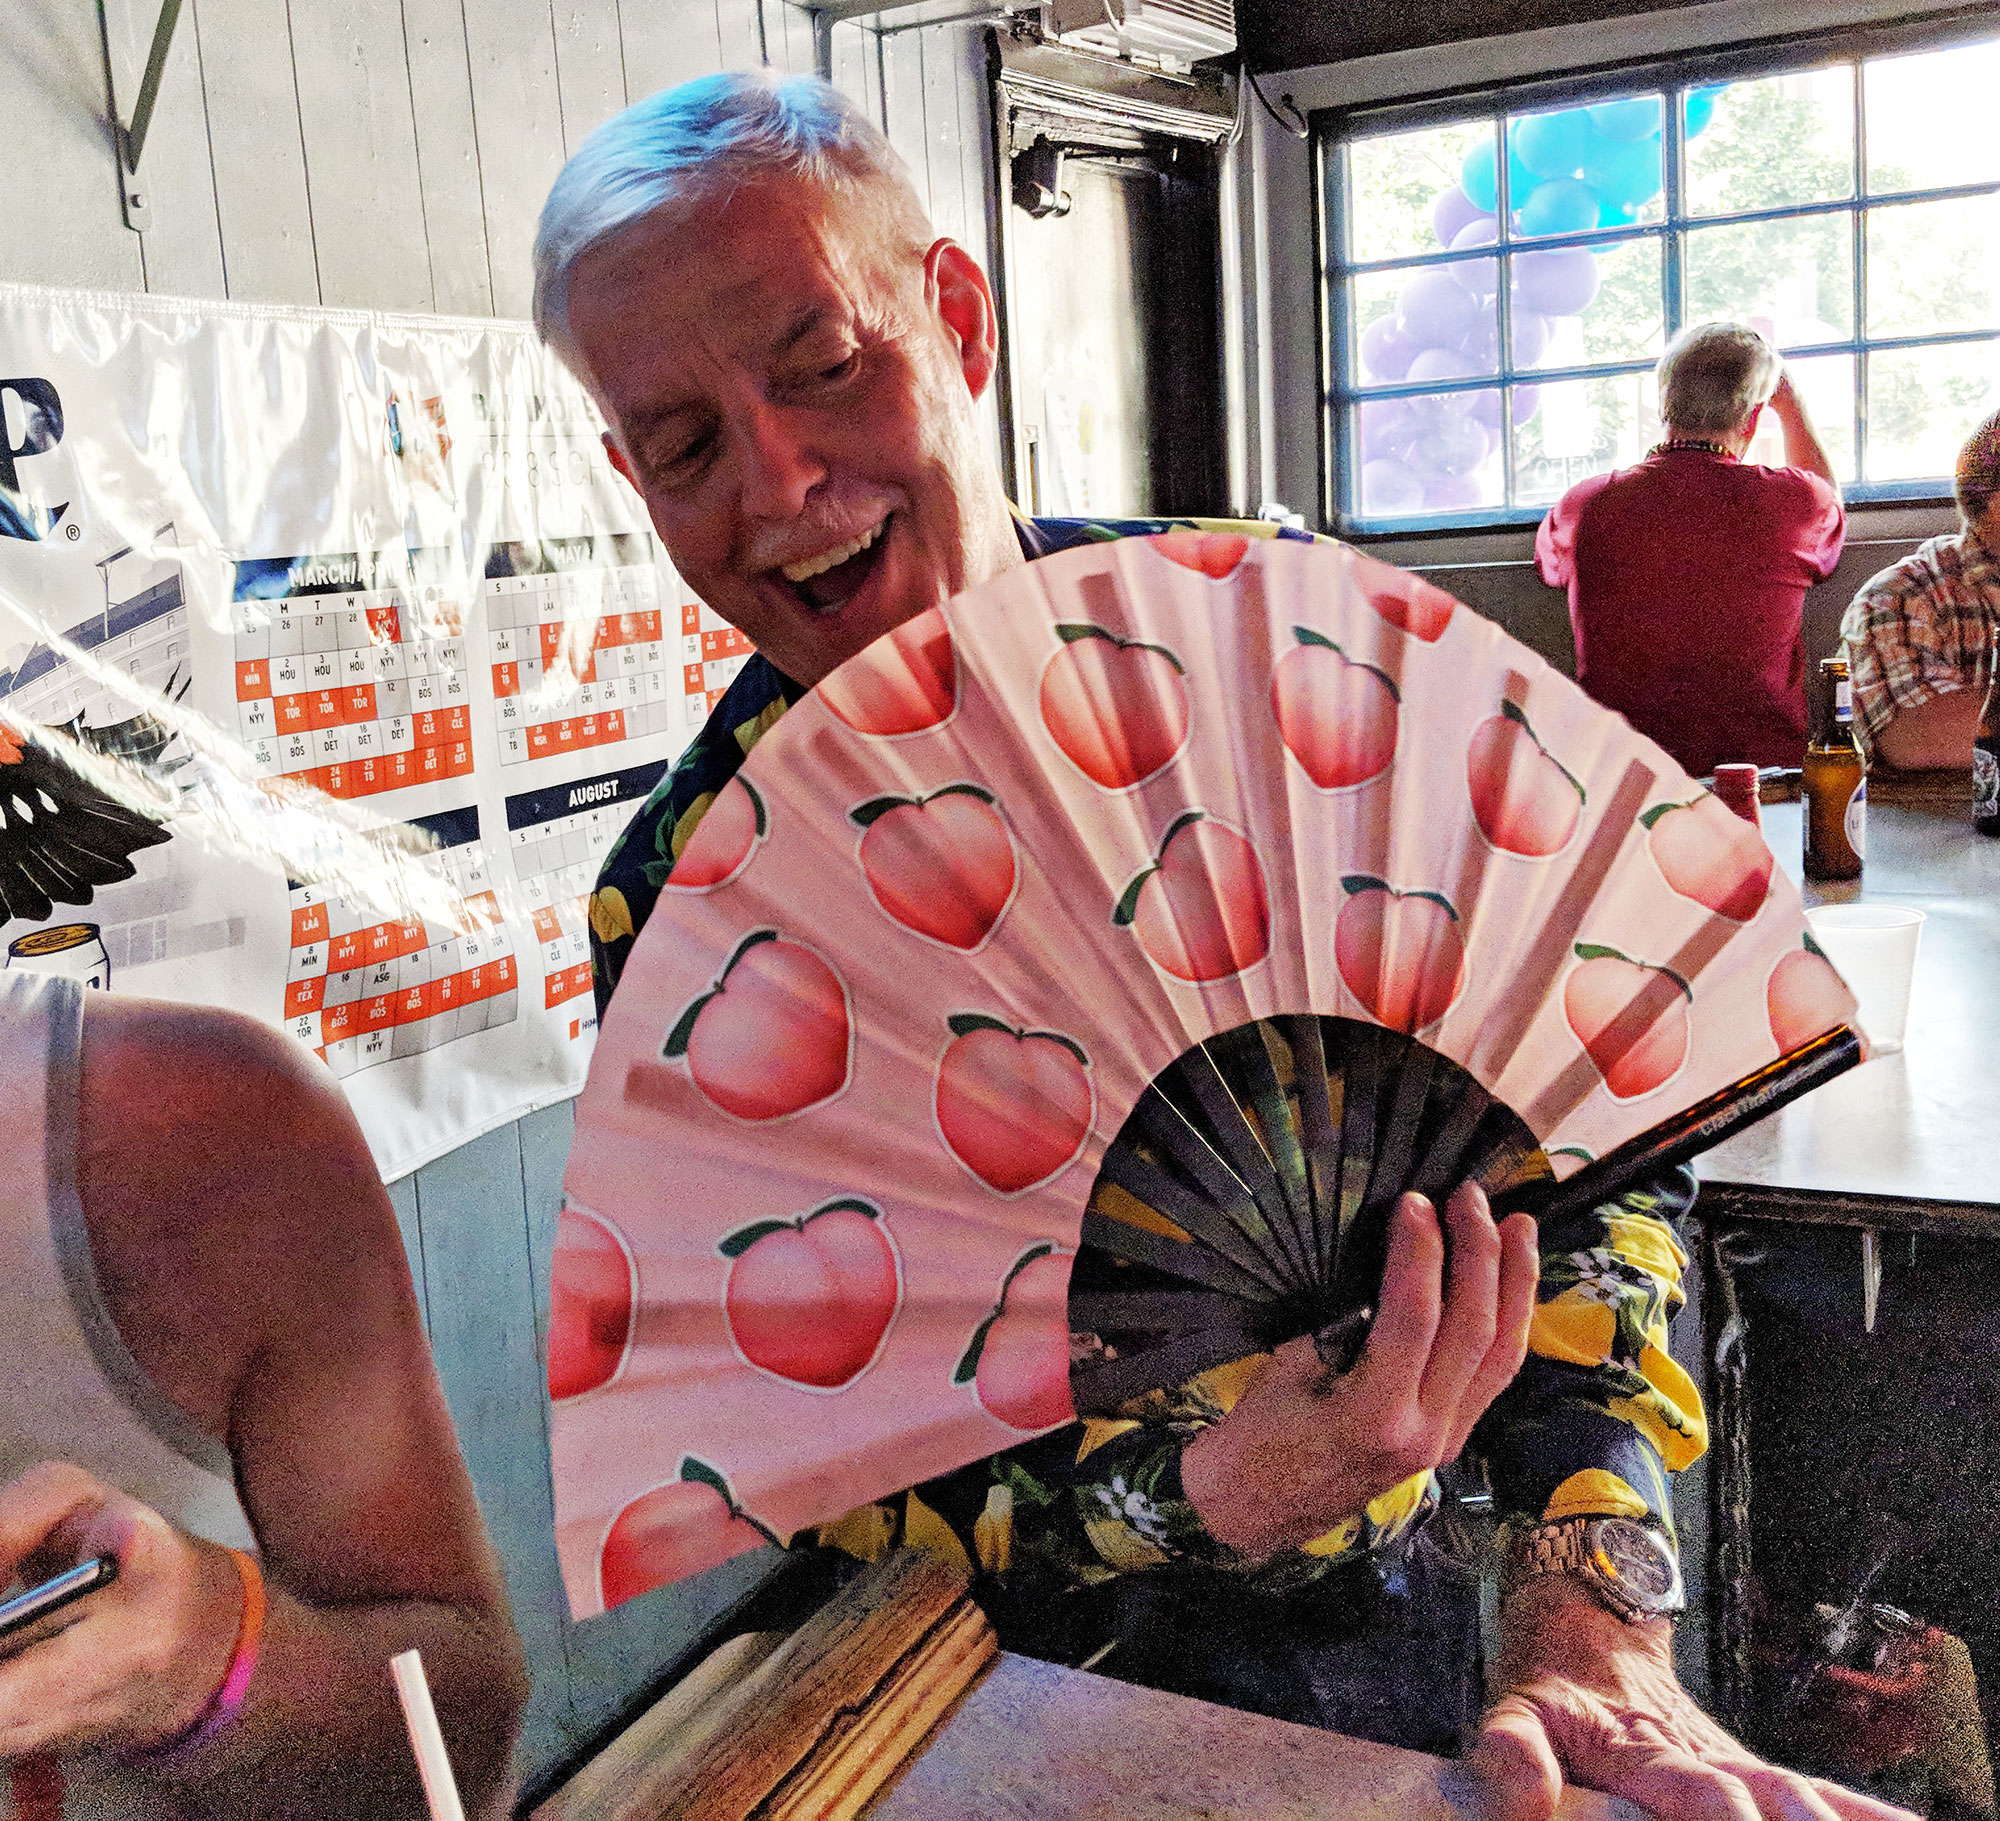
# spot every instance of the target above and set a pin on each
(1803, 449)
(1932, 736)
(321, 1732)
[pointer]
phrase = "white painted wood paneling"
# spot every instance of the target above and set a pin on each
(512, 51)
(182, 245)
(741, 26)
(61, 224)
(668, 42)
(590, 66)
(360, 132)
(448, 158)
(902, 59)
(251, 109)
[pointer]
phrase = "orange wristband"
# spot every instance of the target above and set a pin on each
(219, 1712)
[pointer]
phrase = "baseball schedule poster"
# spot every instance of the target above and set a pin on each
(333, 656)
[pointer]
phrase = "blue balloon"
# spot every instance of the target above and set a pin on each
(1635, 117)
(1553, 145)
(1478, 177)
(1562, 205)
(1625, 176)
(1700, 107)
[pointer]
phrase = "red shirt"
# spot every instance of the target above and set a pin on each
(1687, 578)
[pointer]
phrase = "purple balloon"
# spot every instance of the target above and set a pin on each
(1442, 363)
(1485, 407)
(1386, 352)
(1481, 345)
(1479, 276)
(1434, 310)
(1452, 444)
(1387, 425)
(1453, 212)
(1560, 283)
(1531, 333)
(1390, 487)
(1527, 401)
(1453, 492)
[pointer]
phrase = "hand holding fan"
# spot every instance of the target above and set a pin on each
(1060, 997)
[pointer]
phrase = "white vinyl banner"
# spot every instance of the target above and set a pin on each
(333, 656)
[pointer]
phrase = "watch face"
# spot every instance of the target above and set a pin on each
(1638, 1560)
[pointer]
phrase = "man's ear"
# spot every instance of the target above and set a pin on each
(623, 466)
(956, 288)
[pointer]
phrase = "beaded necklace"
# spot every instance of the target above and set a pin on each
(1689, 445)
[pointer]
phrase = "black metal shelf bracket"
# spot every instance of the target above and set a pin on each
(129, 136)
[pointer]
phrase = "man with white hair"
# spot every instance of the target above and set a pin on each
(1919, 635)
(790, 362)
(1687, 575)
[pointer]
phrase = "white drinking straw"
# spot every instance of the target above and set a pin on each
(433, 1765)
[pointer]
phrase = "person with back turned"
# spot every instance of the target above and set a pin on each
(1687, 575)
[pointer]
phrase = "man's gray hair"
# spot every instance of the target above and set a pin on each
(687, 148)
(1713, 376)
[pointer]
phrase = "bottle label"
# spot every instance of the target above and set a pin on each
(1985, 784)
(1855, 823)
(1843, 702)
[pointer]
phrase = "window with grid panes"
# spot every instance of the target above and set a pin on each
(1503, 274)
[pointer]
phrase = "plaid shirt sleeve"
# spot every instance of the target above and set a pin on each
(1920, 630)
(1591, 1425)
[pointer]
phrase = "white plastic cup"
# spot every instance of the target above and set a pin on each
(1874, 948)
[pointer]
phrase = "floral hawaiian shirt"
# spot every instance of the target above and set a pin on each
(1592, 1425)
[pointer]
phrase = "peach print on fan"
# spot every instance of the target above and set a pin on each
(1805, 998)
(1525, 800)
(810, 1299)
(772, 1035)
(904, 683)
(1017, 1361)
(1707, 852)
(723, 840)
(1116, 707)
(1630, 1016)
(1013, 1106)
(1215, 554)
(1404, 600)
(942, 864)
(691, 1523)
(593, 1296)
(1337, 716)
(1199, 909)
(1401, 953)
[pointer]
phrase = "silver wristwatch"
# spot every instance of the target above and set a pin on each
(1631, 1567)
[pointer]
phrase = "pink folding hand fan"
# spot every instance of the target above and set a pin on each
(1057, 1001)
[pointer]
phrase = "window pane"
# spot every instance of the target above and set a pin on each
(1770, 144)
(1923, 403)
(1931, 266)
(1426, 322)
(1826, 383)
(1575, 305)
(1575, 168)
(1930, 118)
(1428, 455)
(1581, 427)
(1792, 280)
(1406, 196)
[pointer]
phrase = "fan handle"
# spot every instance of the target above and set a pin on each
(1341, 1340)
(1688, 1133)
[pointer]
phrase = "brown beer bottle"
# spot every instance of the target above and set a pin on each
(1836, 788)
(1986, 750)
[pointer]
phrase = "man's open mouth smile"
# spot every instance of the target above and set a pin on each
(832, 577)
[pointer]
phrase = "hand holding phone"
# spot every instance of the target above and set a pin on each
(28, 1617)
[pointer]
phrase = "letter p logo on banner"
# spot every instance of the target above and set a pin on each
(31, 424)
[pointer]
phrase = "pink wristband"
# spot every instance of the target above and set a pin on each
(219, 1712)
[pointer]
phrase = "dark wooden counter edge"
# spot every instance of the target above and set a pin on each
(1829, 1208)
